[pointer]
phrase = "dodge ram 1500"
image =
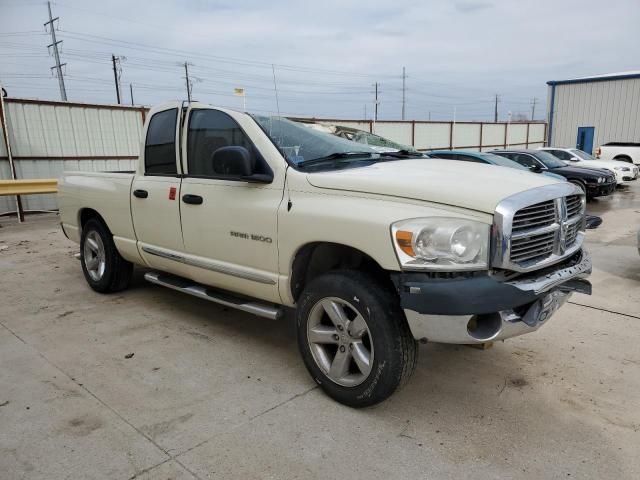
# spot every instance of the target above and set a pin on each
(374, 251)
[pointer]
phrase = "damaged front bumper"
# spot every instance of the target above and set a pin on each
(480, 309)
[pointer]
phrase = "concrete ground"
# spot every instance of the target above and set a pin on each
(214, 393)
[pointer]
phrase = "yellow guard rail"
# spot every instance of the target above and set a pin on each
(28, 186)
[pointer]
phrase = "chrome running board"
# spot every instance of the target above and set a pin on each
(189, 287)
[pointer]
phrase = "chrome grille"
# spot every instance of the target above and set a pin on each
(572, 233)
(574, 205)
(535, 216)
(531, 235)
(532, 248)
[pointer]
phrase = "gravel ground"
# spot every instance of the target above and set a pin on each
(151, 384)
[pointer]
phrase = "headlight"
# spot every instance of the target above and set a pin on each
(600, 179)
(441, 243)
(622, 169)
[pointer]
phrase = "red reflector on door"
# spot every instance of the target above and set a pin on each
(172, 193)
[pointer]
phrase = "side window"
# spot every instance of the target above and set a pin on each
(526, 160)
(469, 158)
(210, 130)
(561, 154)
(160, 145)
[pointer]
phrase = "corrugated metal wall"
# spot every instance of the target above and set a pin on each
(444, 135)
(612, 107)
(48, 138)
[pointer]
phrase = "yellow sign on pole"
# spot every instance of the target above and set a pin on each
(239, 92)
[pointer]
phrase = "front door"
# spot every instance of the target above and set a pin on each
(155, 205)
(585, 139)
(229, 225)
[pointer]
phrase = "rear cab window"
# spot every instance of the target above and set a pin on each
(160, 144)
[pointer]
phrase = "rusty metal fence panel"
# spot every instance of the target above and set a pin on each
(49, 137)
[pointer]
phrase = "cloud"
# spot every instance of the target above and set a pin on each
(469, 7)
(327, 54)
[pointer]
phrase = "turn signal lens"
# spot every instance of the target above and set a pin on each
(404, 238)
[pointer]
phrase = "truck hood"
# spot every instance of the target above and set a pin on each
(474, 186)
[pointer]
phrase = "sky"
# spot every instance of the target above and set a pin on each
(325, 56)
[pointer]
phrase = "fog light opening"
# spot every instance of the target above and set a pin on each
(484, 327)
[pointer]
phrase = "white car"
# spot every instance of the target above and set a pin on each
(623, 171)
(623, 151)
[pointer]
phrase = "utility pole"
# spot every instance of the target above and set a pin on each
(404, 78)
(495, 112)
(131, 92)
(56, 53)
(116, 77)
(186, 77)
(365, 111)
(533, 108)
(375, 116)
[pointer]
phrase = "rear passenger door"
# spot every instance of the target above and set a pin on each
(155, 192)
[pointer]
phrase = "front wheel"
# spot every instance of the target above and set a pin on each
(354, 338)
(103, 267)
(581, 185)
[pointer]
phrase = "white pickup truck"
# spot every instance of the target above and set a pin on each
(621, 151)
(375, 251)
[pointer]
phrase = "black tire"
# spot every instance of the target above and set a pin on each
(582, 186)
(394, 350)
(117, 271)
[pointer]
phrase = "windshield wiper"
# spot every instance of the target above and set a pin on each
(335, 157)
(402, 154)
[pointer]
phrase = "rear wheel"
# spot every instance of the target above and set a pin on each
(103, 267)
(354, 338)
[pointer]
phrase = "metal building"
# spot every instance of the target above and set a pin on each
(590, 111)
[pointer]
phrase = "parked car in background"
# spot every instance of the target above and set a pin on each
(622, 151)
(374, 251)
(623, 171)
(485, 157)
(594, 182)
(376, 142)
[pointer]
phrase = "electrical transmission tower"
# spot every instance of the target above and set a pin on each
(56, 53)
(117, 74)
(404, 89)
(375, 116)
(533, 107)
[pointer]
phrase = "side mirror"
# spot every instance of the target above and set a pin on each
(238, 162)
(535, 168)
(574, 159)
(233, 161)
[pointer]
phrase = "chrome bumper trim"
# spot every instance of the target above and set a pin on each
(505, 324)
(544, 283)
